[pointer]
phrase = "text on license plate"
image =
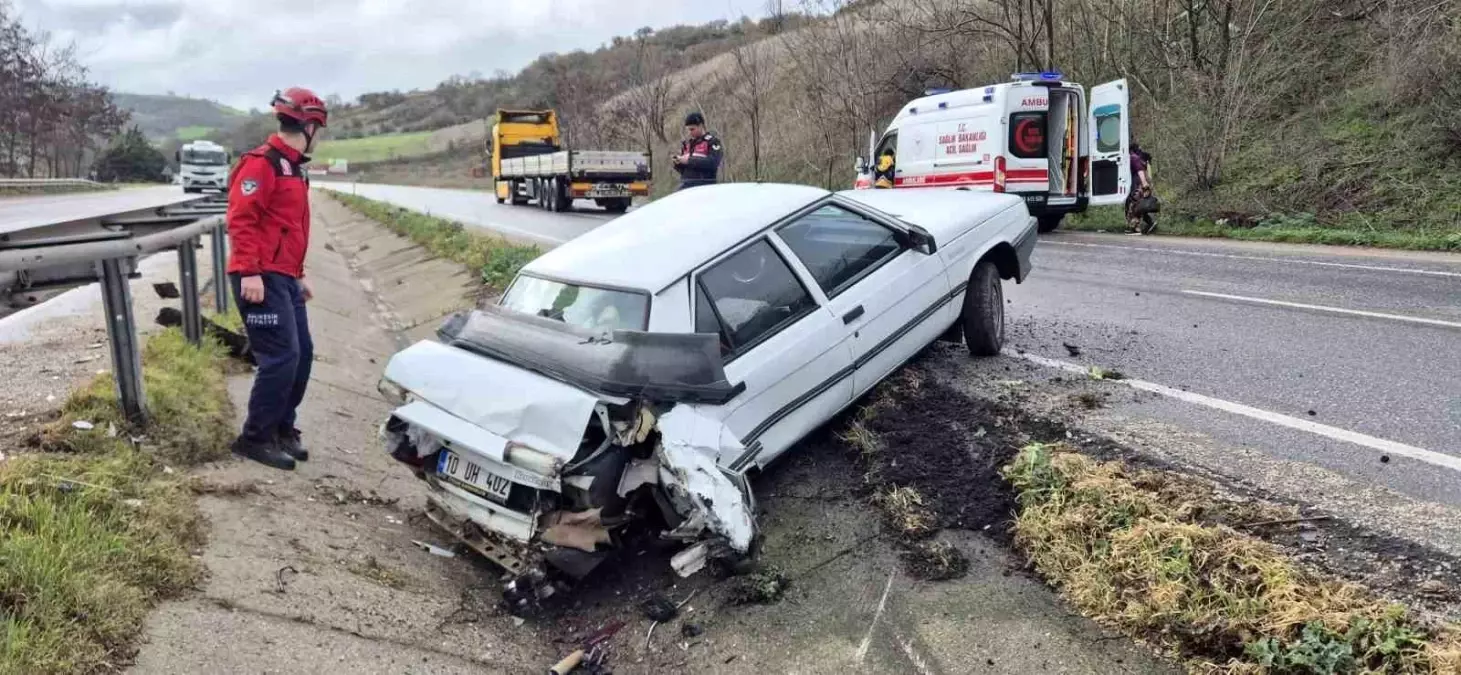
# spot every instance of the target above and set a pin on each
(1035, 199)
(609, 190)
(473, 476)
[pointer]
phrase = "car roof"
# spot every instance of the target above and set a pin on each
(652, 246)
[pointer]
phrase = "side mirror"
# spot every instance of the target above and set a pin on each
(920, 240)
(860, 165)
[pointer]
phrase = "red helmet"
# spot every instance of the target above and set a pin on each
(300, 104)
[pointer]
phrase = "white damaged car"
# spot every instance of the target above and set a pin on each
(631, 379)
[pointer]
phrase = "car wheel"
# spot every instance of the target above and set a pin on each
(1049, 223)
(984, 310)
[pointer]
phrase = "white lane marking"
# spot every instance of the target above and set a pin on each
(1372, 268)
(1323, 308)
(1334, 433)
(867, 640)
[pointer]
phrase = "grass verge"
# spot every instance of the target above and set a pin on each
(497, 259)
(97, 527)
(1288, 229)
(1137, 559)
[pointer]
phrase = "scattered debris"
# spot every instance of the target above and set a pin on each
(1073, 350)
(83, 425)
(237, 344)
(935, 561)
(167, 290)
(134, 503)
(279, 578)
(1089, 400)
(434, 549)
(659, 608)
(87, 359)
(759, 588)
(590, 655)
(1099, 373)
(1384, 459)
(1312, 413)
(1287, 521)
(691, 630)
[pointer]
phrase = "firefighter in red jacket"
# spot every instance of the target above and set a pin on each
(268, 232)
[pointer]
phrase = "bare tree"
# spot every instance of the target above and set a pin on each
(748, 83)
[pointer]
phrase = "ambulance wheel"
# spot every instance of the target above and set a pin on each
(1049, 223)
(984, 310)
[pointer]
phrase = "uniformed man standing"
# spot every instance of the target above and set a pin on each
(268, 232)
(699, 158)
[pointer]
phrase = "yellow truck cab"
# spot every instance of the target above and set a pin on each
(529, 165)
(1037, 136)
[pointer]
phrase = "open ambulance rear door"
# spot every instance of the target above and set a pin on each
(1025, 164)
(1109, 123)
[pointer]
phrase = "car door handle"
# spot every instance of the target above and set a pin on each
(852, 315)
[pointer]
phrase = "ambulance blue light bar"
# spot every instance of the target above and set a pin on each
(936, 91)
(1045, 76)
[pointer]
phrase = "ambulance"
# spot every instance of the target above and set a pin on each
(1037, 136)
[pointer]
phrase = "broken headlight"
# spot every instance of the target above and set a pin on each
(537, 462)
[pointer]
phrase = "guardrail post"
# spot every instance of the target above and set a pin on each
(122, 331)
(220, 269)
(188, 279)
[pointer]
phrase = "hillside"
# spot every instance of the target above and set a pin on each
(163, 117)
(1301, 120)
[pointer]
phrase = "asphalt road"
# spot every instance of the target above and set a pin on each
(482, 210)
(23, 213)
(1319, 354)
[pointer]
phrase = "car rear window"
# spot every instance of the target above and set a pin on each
(597, 309)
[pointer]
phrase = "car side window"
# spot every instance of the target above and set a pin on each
(753, 294)
(839, 247)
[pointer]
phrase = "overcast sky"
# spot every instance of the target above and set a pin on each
(239, 51)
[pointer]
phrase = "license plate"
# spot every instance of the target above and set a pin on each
(609, 191)
(472, 476)
(1035, 199)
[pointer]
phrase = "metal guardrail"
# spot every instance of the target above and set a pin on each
(111, 256)
(47, 182)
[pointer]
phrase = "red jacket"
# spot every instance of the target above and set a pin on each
(268, 211)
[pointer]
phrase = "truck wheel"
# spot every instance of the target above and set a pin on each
(560, 200)
(616, 205)
(984, 310)
(515, 191)
(1049, 223)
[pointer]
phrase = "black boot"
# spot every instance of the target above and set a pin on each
(292, 444)
(266, 453)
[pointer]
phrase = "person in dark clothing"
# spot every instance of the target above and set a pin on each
(699, 160)
(268, 233)
(1139, 223)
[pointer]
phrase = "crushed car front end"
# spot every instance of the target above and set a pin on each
(544, 446)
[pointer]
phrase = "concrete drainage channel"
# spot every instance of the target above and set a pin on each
(833, 594)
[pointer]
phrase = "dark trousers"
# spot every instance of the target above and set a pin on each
(278, 330)
(687, 183)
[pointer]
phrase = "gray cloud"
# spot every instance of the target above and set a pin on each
(239, 52)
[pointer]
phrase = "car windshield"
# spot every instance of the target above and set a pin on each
(596, 309)
(205, 157)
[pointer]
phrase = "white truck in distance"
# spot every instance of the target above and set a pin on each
(203, 165)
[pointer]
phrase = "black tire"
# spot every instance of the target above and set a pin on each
(515, 190)
(1049, 223)
(616, 205)
(984, 310)
(561, 201)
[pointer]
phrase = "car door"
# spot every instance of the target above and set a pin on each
(891, 297)
(780, 341)
(1109, 128)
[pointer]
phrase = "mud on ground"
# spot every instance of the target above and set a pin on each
(1027, 404)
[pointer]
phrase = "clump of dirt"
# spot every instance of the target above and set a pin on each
(935, 561)
(944, 448)
(764, 587)
(1088, 400)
